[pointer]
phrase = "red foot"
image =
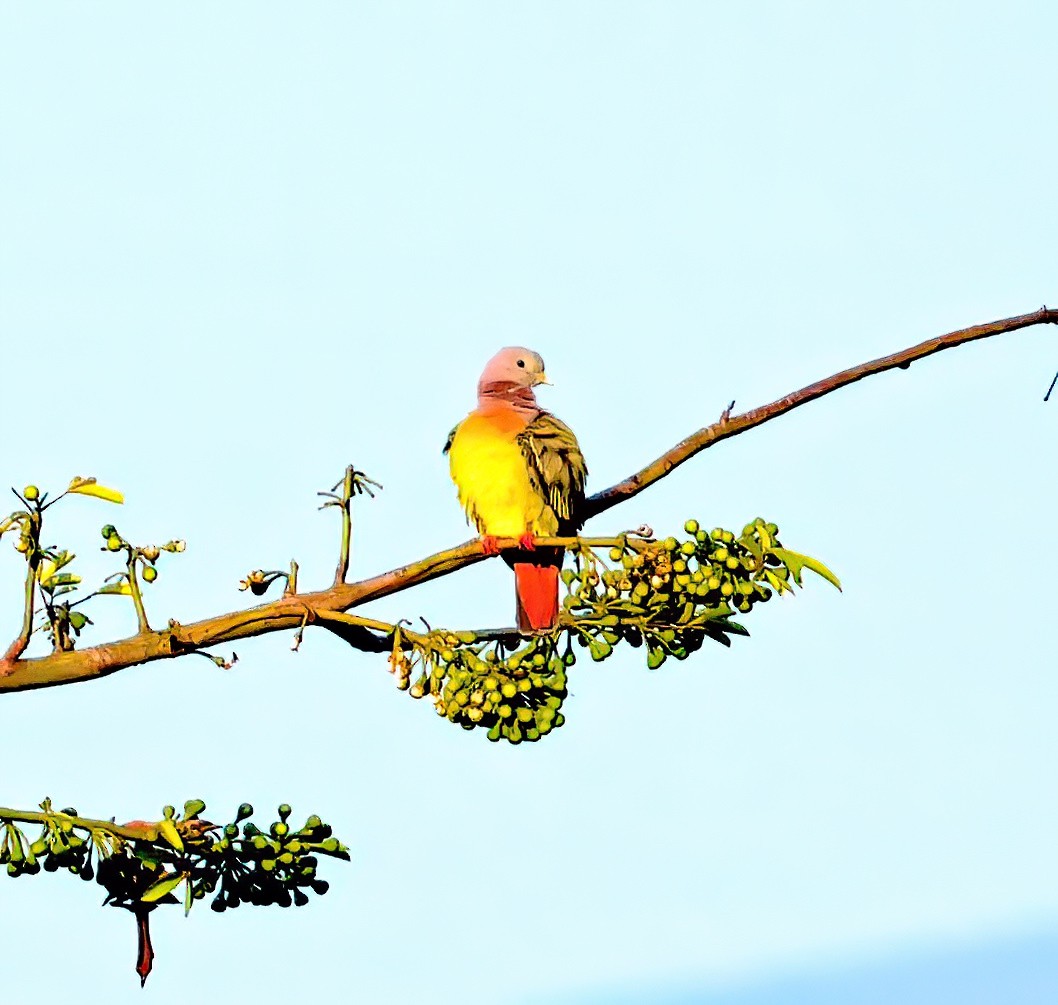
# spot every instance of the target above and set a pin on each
(489, 545)
(528, 542)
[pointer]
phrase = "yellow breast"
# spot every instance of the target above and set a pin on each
(490, 472)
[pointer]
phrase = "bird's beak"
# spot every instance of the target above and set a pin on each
(541, 378)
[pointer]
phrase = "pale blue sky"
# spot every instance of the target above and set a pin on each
(244, 244)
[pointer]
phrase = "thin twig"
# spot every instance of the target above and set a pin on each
(134, 588)
(347, 526)
(19, 644)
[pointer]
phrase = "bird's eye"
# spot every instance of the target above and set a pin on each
(521, 363)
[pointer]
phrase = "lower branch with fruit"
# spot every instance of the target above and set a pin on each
(178, 859)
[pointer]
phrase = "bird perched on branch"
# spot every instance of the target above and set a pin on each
(520, 474)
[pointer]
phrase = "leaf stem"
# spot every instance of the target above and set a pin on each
(18, 646)
(347, 526)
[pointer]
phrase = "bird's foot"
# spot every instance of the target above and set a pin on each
(489, 545)
(528, 542)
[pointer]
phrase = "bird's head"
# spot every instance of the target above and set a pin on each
(514, 365)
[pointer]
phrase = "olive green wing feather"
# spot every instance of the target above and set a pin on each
(448, 442)
(556, 467)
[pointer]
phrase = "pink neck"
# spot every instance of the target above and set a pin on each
(507, 394)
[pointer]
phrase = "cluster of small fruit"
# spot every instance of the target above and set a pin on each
(260, 868)
(672, 595)
(143, 557)
(59, 846)
(514, 695)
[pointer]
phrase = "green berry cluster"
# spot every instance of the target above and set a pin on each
(143, 558)
(514, 695)
(59, 846)
(276, 867)
(672, 595)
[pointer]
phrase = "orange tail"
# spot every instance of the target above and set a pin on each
(536, 589)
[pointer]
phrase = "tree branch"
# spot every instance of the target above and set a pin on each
(731, 426)
(290, 612)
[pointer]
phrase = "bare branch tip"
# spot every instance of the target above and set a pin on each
(1047, 396)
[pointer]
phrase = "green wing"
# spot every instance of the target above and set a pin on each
(556, 467)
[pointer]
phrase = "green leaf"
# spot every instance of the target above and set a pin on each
(599, 648)
(122, 589)
(78, 620)
(189, 896)
(716, 633)
(796, 562)
(780, 584)
(89, 487)
(752, 546)
(734, 628)
(159, 888)
(712, 613)
(167, 829)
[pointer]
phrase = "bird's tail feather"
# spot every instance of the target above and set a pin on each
(536, 589)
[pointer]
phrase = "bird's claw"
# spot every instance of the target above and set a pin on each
(489, 545)
(528, 542)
